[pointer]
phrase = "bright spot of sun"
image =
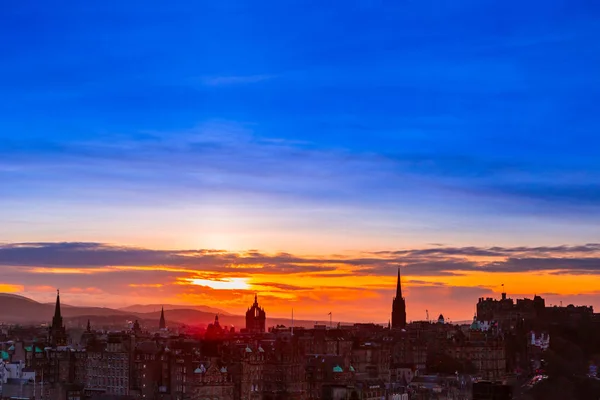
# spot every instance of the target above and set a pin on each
(225, 283)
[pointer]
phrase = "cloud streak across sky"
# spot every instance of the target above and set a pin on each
(288, 280)
(301, 128)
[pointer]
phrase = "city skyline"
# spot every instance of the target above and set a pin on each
(196, 153)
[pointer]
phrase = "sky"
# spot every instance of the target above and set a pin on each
(196, 152)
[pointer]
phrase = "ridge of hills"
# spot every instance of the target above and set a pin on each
(20, 310)
(17, 309)
(148, 308)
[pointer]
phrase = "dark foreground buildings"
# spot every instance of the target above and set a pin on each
(491, 391)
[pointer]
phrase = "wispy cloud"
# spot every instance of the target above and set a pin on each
(314, 135)
(93, 258)
(234, 80)
(230, 279)
(220, 158)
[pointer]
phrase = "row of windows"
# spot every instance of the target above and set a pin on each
(108, 372)
(145, 357)
(95, 381)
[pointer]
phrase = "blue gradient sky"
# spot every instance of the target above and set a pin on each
(301, 126)
(388, 122)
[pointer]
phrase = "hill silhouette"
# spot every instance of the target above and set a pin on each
(22, 310)
(148, 308)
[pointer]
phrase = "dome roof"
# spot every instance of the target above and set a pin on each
(248, 349)
(352, 369)
(337, 368)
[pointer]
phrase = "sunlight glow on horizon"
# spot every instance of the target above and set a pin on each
(222, 284)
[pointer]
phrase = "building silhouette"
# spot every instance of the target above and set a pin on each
(398, 307)
(57, 334)
(162, 323)
(255, 318)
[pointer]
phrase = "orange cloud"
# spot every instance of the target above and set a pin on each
(10, 288)
(356, 287)
(145, 285)
(89, 290)
(67, 271)
(41, 288)
(221, 284)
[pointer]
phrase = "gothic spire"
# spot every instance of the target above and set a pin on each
(57, 315)
(57, 333)
(399, 306)
(162, 324)
(399, 286)
(89, 327)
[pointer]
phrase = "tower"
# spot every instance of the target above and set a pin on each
(162, 324)
(255, 318)
(136, 327)
(398, 307)
(57, 334)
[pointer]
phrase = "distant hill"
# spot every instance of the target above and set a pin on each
(16, 309)
(22, 310)
(16, 296)
(62, 305)
(148, 308)
(202, 318)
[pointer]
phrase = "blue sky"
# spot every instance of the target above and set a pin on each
(457, 140)
(300, 126)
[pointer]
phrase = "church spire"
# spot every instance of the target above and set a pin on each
(399, 286)
(57, 332)
(88, 327)
(162, 324)
(57, 315)
(399, 306)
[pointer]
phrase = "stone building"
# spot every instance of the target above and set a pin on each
(211, 382)
(108, 369)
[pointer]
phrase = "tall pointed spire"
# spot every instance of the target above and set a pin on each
(89, 327)
(57, 307)
(399, 286)
(399, 306)
(57, 332)
(162, 324)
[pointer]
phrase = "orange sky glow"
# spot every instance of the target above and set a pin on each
(354, 287)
